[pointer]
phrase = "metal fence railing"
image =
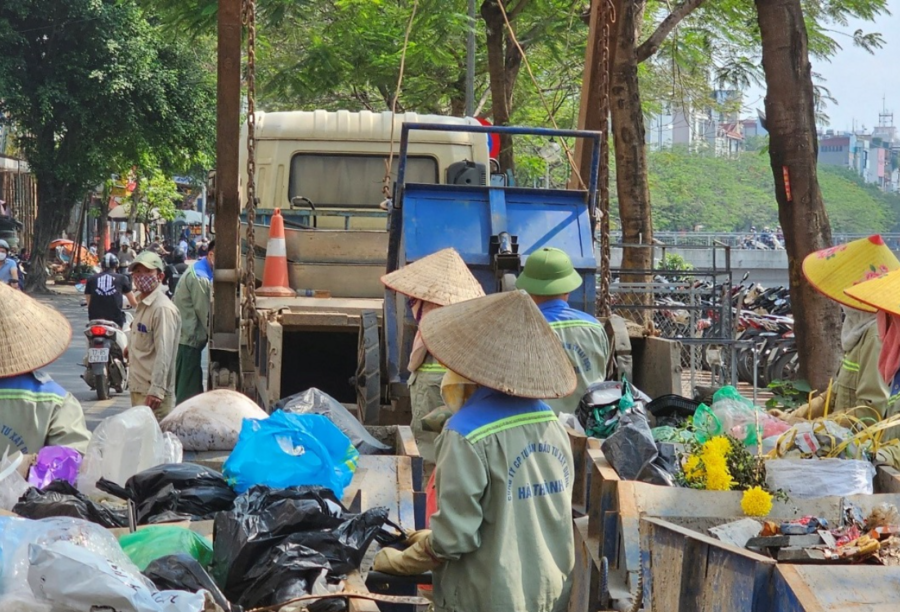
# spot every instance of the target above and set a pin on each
(736, 240)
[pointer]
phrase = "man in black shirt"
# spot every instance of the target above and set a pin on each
(104, 292)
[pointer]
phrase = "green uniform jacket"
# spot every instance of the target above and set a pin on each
(36, 412)
(586, 345)
(192, 297)
(859, 382)
(504, 521)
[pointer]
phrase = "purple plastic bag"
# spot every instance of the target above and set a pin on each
(54, 463)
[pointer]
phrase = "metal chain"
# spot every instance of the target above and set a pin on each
(249, 19)
(608, 17)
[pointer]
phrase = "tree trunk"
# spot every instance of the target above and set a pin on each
(627, 117)
(54, 207)
(793, 148)
(135, 201)
(504, 62)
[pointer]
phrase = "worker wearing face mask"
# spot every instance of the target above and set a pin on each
(153, 339)
(502, 536)
(437, 280)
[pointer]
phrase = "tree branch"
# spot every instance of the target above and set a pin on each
(652, 44)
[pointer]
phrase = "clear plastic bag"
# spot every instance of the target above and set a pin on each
(17, 534)
(12, 485)
(211, 420)
(314, 401)
(124, 445)
(83, 581)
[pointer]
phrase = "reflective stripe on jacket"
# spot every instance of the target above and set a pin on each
(859, 382)
(586, 345)
(504, 495)
(36, 412)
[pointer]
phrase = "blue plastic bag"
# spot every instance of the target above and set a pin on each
(288, 450)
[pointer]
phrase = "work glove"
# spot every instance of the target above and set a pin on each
(415, 560)
(414, 537)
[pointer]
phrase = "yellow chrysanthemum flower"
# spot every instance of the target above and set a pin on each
(756, 502)
(718, 446)
(693, 471)
(718, 478)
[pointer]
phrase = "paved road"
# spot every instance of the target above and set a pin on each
(67, 369)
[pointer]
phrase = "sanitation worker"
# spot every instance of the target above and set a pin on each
(549, 277)
(502, 536)
(831, 272)
(34, 411)
(153, 339)
(882, 293)
(193, 295)
(437, 280)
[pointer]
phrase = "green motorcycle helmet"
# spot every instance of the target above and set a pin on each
(548, 271)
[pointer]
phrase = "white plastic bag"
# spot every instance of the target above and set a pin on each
(79, 580)
(567, 419)
(124, 445)
(12, 485)
(820, 477)
(17, 534)
(211, 420)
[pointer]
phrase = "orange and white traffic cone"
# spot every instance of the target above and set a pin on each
(275, 275)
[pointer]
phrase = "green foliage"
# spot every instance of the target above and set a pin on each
(730, 195)
(788, 394)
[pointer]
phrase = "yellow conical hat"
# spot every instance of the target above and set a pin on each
(879, 293)
(833, 271)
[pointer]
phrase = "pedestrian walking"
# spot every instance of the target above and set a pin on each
(502, 536)
(153, 340)
(193, 296)
(549, 277)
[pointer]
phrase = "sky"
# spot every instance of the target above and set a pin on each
(857, 80)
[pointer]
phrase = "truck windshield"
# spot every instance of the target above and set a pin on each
(350, 181)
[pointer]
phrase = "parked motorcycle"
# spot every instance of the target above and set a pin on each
(104, 363)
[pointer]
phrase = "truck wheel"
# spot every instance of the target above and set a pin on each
(368, 369)
(102, 381)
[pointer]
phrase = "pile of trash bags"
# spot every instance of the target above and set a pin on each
(273, 546)
(277, 544)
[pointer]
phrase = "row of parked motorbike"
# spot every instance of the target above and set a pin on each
(761, 326)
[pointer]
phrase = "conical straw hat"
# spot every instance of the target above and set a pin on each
(832, 271)
(441, 278)
(880, 293)
(32, 335)
(503, 342)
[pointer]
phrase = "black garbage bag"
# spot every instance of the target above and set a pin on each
(306, 517)
(634, 454)
(285, 571)
(181, 572)
(261, 518)
(346, 545)
(174, 491)
(314, 401)
(59, 498)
